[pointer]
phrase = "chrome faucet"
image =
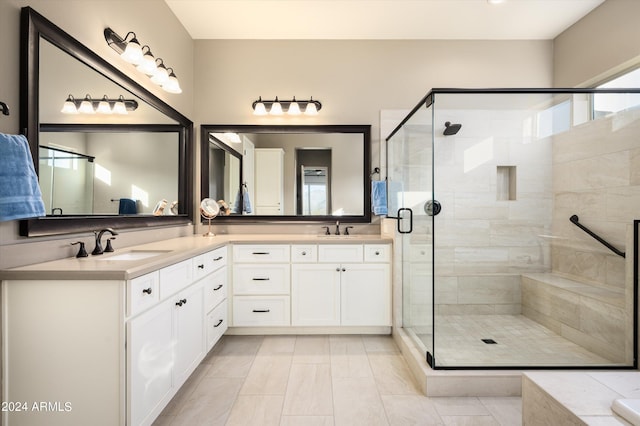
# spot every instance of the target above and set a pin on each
(98, 249)
(337, 227)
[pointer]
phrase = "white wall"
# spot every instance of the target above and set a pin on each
(604, 42)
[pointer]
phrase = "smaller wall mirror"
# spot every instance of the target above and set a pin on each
(288, 173)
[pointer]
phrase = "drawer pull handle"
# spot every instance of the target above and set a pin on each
(262, 310)
(181, 302)
(215, 259)
(218, 324)
(147, 290)
(260, 252)
(261, 279)
(200, 266)
(218, 288)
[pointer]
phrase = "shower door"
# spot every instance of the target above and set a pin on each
(409, 156)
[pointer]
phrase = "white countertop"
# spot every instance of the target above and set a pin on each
(177, 250)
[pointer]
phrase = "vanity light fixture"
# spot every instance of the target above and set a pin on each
(104, 105)
(291, 107)
(129, 49)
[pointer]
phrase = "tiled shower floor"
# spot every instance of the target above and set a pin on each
(520, 342)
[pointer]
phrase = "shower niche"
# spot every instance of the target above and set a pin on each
(501, 277)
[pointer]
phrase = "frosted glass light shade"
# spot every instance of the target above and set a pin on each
(133, 52)
(311, 109)
(276, 108)
(294, 109)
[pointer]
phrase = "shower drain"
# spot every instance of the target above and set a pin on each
(489, 341)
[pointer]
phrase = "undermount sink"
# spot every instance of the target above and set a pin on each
(135, 255)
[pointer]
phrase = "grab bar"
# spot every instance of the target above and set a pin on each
(575, 220)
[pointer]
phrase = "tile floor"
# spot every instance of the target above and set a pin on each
(520, 341)
(319, 380)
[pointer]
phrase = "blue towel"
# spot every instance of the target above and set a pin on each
(379, 197)
(127, 206)
(246, 202)
(20, 195)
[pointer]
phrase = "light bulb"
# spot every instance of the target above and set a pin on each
(69, 106)
(276, 108)
(311, 109)
(147, 63)
(161, 75)
(172, 84)
(86, 106)
(119, 107)
(132, 52)
(294, 108)
(259, 108)
(103, 106)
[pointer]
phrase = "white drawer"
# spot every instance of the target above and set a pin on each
(304, 253)
(143, 292)
(256, 311)
(261, 279)
(217, 324)
(207, 263)
(377, 252)
(258, 253)
(215, 289)
(340, 253)
(175, 277)
(217, 258)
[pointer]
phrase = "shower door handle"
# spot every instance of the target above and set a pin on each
(401, 219)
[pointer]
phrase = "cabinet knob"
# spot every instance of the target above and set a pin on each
(377, 253)
(200, 266)
(218, 324)
(218, 288)
(337, 269)
(304, 253)
(147, 290)
(343, 269)
(181, 302)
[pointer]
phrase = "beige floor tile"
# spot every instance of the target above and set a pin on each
(469, 421)
(350, 366)
(379, 344)
(357, 402)
(230, 365)
(277, 345)
(237, 345)
(184, 393)
(306, 421)
(506, 410)
(459, 406)
(392, 374)
(311, 350)
(410, 410)
(268, 375)
(346, 345)
(251, 410)
(210, 403)
(163, 421)
(309, 390)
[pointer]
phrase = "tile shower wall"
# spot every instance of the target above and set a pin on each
(595, 169)
(484, 241)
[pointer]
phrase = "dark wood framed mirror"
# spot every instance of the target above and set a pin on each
(295, 173)
(41, 37)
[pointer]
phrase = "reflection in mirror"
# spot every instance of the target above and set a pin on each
(225, 172)
(297, 173)
(104, 172)
(139, 158)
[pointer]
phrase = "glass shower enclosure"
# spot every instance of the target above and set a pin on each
(523, 207)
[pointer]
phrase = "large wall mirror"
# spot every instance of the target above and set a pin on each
(98, 170)
(288, 173)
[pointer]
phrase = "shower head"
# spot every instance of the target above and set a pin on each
(451, 129)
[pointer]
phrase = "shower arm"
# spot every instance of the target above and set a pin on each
(575, 220)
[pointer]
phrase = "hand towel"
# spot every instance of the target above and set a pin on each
(379, 197)
(246, 202)
(236, 204)
(127, 206)
(20, 195)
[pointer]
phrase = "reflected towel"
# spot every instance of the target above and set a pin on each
(127, 206)
(236, 203)
(246, 202)
(20, 195)
(379, 197)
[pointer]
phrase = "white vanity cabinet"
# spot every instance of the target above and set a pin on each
(348, 285)
(261, 285)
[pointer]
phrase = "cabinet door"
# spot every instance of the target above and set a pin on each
(315, 294)
(366, 295)
(188, 313)
(150, 356)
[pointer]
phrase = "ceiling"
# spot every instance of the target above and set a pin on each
(379, 19)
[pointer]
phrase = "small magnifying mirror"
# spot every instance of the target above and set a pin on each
(209, 209)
